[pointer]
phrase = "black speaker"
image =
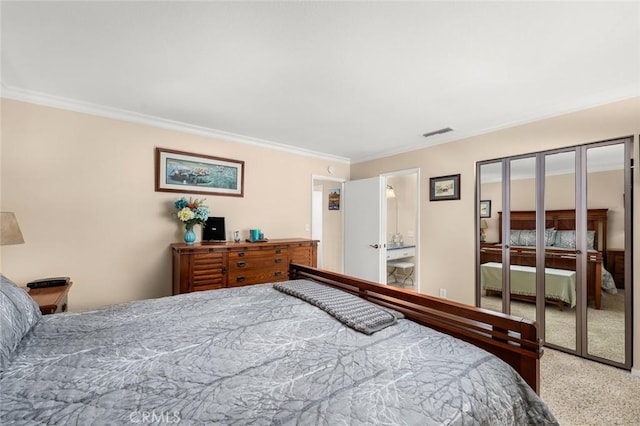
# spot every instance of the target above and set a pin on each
(213, 230)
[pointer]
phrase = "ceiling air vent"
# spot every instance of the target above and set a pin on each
(438, 132)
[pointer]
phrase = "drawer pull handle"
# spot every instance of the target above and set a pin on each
(278, 273)
(241, 264)
(278, 260)
(240, 279)
(241, 254)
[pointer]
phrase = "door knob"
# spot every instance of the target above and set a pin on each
(374, 245)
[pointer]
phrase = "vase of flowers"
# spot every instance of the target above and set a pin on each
(191, 212)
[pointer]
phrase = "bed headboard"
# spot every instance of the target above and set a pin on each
(562, 220)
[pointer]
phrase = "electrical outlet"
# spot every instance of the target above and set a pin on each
(307, 227)
(410, 234)
(443, 293)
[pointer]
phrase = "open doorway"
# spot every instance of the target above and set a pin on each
(402, 195)
(381, 232)
(327, 221)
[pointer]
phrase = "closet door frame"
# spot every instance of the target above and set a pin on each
(581, 209)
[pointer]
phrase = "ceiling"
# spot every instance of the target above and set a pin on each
(345, 80)
(599, 159)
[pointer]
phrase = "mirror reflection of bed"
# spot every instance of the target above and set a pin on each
(605, 300)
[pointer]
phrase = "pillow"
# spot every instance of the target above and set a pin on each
(591, 236)
(514, 237)
(565, 239)
(18, 313)
(527, 237)
(549, 237)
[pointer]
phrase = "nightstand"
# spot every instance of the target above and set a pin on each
(51, 300)
(615, 265)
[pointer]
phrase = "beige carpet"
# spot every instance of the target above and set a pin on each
(582, 392)
(605, 326)
(578, 391)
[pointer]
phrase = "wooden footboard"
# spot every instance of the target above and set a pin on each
(514, 340)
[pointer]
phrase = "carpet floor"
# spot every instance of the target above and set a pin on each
(582, 392)
(605, 326)
(579, 391)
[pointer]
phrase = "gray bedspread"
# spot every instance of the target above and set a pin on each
(252, 355)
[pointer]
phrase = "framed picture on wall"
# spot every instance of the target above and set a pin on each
(444, 188)
(178, 171)
(485, 208)
(334, 199)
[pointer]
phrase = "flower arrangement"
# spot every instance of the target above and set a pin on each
(192, 212)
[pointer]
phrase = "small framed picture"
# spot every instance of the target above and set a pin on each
(334, 199)
(485, 208)
(444, 188)
(178, 171)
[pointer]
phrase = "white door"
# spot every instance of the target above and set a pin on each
(364, 241)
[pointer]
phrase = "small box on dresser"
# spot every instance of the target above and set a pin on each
(210, 266)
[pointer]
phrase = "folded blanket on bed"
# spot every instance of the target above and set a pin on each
(351, 310)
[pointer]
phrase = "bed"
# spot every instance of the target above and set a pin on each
(257, 355)
(560, 252)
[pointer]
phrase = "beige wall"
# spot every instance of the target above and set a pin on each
(604, 191)
(447, 244)
(331, 243)
(82, 188)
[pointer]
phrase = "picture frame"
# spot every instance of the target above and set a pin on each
(185, 172)
(334, 199)
(485, 208)
(444, 188)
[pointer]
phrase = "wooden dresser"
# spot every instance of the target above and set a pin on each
(209, 266)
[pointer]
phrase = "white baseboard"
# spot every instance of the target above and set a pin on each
(635, 372)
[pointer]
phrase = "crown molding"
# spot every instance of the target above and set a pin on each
(44, 99)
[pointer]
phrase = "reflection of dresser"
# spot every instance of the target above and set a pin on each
(615, 265)
(209, 266)
(394, 253)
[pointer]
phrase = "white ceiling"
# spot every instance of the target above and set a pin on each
(599, 159)
(346, 80)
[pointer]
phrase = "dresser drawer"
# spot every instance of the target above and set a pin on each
(257, 276)
(302, 255)
(401, 253)
(271, 259)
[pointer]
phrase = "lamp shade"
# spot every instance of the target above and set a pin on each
(391, 193)
(9, 229)
(484, 224)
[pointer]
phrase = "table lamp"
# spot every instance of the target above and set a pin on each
(9, 229)
(483, 225)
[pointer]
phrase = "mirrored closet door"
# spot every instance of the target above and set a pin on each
(608, 323)
(553, 246)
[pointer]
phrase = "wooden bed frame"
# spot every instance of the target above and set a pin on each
(514, 340)
(561, 220)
